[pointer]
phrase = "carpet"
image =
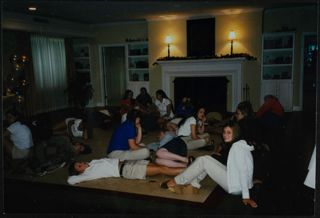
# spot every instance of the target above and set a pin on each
(149, 187)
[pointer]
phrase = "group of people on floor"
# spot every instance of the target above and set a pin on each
(232, 164)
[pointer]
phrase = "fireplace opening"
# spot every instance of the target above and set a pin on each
(210, 92)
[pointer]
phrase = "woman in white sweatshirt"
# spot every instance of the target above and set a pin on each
(232, 168)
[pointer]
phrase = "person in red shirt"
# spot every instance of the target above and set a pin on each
(271, 112)
(126, 104)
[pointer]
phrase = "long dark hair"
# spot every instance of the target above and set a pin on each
(133, 114)
(235, 130)
(72, 170)
(126, 94)
(195, 115)
(246, 109)
(162, 93)
(15, 113)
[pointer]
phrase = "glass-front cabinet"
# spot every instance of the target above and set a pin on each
(277, 66)
(138, 61)
(137, 66)
(278, 56)
(81, 58)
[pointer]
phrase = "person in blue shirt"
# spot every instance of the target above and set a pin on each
(184, 108)
(125, 141)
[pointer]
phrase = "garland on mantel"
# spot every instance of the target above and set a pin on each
(237, 55)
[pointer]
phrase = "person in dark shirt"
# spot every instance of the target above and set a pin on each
(149, 113)
(51, 153)
(184, 108)
(249, 128)
(143, 100)
(125, 140)
(270, 114)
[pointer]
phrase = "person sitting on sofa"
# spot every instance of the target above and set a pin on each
(106, 167)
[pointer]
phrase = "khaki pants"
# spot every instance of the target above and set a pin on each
(139, 154)
(193, 144)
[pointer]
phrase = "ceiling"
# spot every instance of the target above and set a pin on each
(110, 11)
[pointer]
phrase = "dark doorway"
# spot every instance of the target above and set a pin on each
(201, 37)
(210, 92)
(309, 79)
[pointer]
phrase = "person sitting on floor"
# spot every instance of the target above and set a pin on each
(125, 140)
(105, 167)
(17, 137)
(270, 114)
(232, 168)
(164, 106)
(251, 133)
(73, 127)
(149, 111)
(192, 130)
(174, 154)
(249, 128)
(143, 100)
(126, 104)
(184, 108)
(310, 179)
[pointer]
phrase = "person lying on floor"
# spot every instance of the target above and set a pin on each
(125, 143)
(51, 153)
(173, 151)
(106, 167)
(232, 168)
(73, 127)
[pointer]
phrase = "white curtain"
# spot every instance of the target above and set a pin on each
(49, 64)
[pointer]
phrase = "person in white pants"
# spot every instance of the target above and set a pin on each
(310, 179)
(232, 168)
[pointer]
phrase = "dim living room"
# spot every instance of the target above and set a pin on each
(217, 53)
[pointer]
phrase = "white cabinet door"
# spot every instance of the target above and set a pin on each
(282, 89)
(268, 88)
(285, 94)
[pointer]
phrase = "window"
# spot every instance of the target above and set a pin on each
(49, 64)
(201, 37)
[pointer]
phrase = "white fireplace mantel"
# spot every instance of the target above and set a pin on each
(206, 68)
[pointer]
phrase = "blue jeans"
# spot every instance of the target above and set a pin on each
(156, 145)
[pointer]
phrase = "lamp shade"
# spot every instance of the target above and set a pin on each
(168, 39)
(232, 35)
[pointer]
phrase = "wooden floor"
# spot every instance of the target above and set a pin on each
(282, 194)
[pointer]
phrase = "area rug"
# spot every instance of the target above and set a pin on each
(149, 187)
